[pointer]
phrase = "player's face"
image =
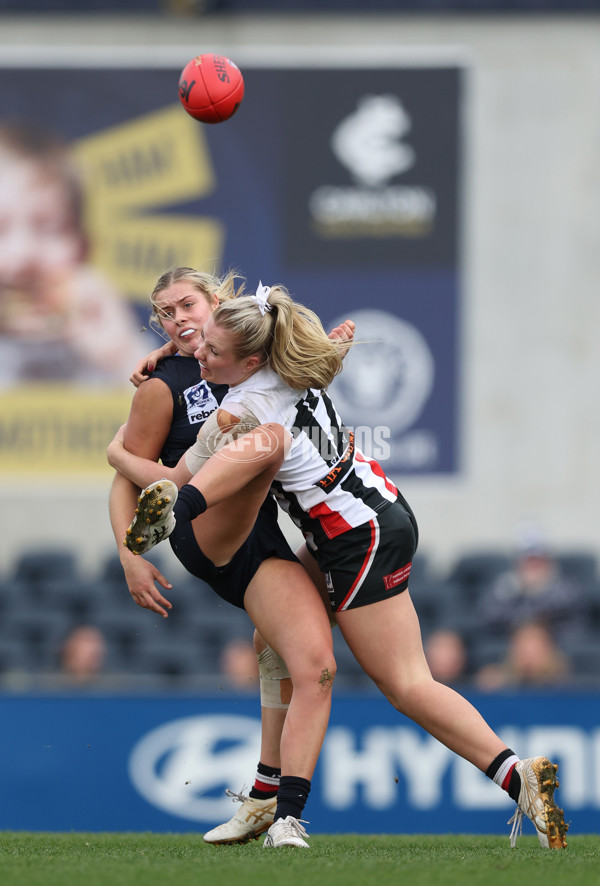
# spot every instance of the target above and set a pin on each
(183, 311)
(217, 359)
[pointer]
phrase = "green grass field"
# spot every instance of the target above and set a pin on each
(35, 859)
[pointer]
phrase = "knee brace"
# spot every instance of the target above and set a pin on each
(272, 670)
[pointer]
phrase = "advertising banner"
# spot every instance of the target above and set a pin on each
(163, 764)
(341, 183)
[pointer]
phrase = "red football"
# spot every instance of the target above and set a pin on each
(211, 88)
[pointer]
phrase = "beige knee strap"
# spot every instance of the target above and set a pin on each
(272, 670)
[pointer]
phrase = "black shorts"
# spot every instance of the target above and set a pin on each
(230, 582)
(371, 562)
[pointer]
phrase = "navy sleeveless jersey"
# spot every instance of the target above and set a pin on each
(193, 401)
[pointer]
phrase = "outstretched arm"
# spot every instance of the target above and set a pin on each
(146, 430)
(141, 575)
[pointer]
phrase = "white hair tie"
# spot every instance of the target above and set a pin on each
(262, 298)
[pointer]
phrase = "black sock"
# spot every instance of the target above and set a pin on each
(503, 771)
(514, 786)
(292, 796)
(266, 782)
(190, 502)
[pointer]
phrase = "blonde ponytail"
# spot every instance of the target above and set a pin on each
(288, 336)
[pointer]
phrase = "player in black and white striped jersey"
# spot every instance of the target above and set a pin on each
(340, 499)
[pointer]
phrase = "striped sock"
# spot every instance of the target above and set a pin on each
(502, 771)
(266, 782)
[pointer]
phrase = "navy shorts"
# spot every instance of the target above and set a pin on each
(371, 562)
(231, 581)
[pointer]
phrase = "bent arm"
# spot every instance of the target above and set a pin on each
(148, 364)
(144, 434)
(344, 333)
(135, 454)
(143, 471)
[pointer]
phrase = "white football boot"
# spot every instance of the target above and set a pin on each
(286, 832)
(251, 820)
(536, 801)
(154, 519)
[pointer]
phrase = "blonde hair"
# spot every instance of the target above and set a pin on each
(213, 289)
(290, 338)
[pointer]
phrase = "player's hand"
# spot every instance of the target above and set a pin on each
(344, 332)
(148, 364)
(141, 577)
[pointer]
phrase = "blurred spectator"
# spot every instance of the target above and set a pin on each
(533, 590)
(532, 659)
(83, 656)
(239, 666)
(59, 319)
(447, 656)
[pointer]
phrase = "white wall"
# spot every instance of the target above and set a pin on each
(530, 355)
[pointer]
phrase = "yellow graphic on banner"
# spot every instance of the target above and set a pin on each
(57, 429)
(135, 251)
(157, 159)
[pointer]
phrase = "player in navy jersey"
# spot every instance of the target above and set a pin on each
(277, 361)
(166, 414)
